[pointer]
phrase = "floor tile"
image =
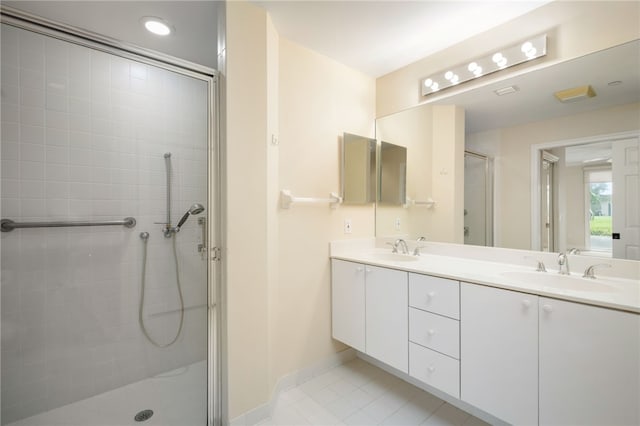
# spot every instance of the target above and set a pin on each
(358, 393)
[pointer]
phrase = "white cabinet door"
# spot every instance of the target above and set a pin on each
(387, 313)
(589, 365)
(499, 352)
(347, 303)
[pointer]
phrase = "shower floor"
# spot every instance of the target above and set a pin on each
(177, 397)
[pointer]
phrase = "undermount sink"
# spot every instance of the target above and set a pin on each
(395, 257)
(559, 282)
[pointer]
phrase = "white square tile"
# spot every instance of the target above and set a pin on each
(32, 152)
(56, 137)
(10, 132)
(380, 409)
(32, 79)
(31, 116)
(10, 113)
(360, 418)
(341, 408)
(32, 98)
(447, 415)
(31, 134)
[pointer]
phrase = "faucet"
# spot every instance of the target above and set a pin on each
(574, 251)
(402, 244)
(588, 273)
(416, 251)
(563, 260)
(541, 267)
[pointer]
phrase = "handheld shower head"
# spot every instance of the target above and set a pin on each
(195, 209)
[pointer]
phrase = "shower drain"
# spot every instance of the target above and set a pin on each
(143, 415)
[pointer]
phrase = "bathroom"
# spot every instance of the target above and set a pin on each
(275, 271)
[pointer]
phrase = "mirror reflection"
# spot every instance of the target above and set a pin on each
(358, 169)
(574, 202)
(393, 174)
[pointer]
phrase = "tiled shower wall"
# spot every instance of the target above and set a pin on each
(83, 138)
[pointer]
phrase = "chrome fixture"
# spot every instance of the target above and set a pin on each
(195, 209)
(563, 264)
(574, 250)
(399, 243)
(8, 225)
(144, 236)
(167, 224)
(533, 48)
(416, 251)
(540, 267)
(589, 272)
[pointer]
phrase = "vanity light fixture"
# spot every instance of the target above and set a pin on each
(156, 25)
(528, 50)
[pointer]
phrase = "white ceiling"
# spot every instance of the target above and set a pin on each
(374, 37)
(534, 101)
(195, 23)
(377, 37)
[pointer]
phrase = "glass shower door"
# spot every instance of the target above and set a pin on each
(104, 319)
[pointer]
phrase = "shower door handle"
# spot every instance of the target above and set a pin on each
(202, 247)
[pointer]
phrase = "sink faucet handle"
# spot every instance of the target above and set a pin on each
(589, 272)
(563, 264)
(394, 247)
(416, 251)
(541, 267)
(423, 238)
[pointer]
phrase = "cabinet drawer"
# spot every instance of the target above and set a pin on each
(435, 332)
(435, 369)
(433, 294)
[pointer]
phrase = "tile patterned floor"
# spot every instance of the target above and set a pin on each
(358, 393)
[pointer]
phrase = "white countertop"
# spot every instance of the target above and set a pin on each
(605, 291)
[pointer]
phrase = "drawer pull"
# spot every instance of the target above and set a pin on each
(431, 332)
(368, 270)
(547, 308)
(431, 295)
(526, 304)
(359, 269)
(431, 369)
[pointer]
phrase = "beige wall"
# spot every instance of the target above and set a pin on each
(319, 99)
(512, 147)
(277, 268)
(574, 29)
(247, 239)
(287, 107)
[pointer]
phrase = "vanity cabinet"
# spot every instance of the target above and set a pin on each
(589, 365)
(386, 316)
(499, 352)
(347, 303)
(434, 332)
(370, 310)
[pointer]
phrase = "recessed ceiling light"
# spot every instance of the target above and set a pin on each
(156, 25)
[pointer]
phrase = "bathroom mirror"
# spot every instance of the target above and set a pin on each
(512, 130)
(393, 174)
(358, 169)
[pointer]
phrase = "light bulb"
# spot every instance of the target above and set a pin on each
(526, 47)
(156, 26)
(448, 75)
(428, 82)
(497, 57)
(472, 67)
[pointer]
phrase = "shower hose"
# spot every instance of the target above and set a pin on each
(145, 239)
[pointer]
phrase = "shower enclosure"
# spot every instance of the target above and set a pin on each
(478, 199)
(108, 313)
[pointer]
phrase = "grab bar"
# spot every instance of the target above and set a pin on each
(8, 225)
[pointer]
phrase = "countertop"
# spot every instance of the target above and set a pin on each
(604, 291)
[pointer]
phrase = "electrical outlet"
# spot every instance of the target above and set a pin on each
(397, 223)
(347, 226)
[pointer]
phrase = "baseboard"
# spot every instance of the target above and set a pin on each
(263, 411)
